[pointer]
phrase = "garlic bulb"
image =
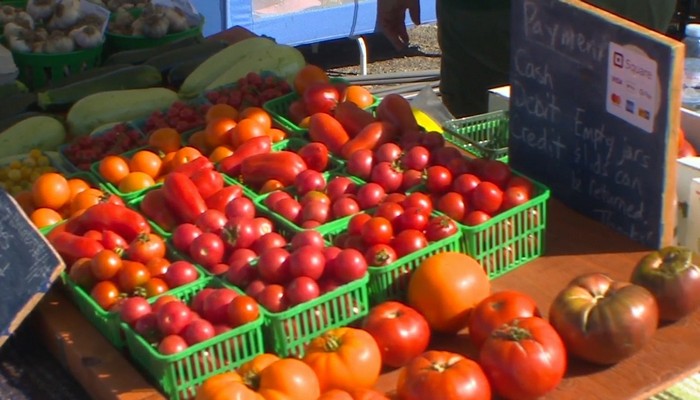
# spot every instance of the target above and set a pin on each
(7, 14)
(177, 19)
(23, 18)
(13, 29)
(40, 9)
(86, 36)
(66, 14)
(19, 42)
(155, 26)
(59, 42)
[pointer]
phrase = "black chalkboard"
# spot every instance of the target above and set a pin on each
(590, 119)
(28, 265)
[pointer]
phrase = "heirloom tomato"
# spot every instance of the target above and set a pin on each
(524, 359)
(344, 358)
(672, 276)
(356, 394)
(602, 320)
(442, 375)
(498, 309)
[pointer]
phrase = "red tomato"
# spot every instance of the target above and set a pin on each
(360, 163)
(487, 197)
(356, 222)
(417, 157)
(408, 241)
(442, 375)
(440, 227)
(180, 273)
(496, 171)
(387, 175)
(453, 205)
(438, 179)
(498, 309)
(524, 359)
(183, 236)
(173, 317)
(132, 275)
(380, 254)
(315, 155)
(105, 294)
(134, 308)
(370, 195)
(207, 249)
(401, 332)
(513, 197)
(420, 200)
(241, 310)
(300, 290)
(145, 247)
(377, 230)
(320, 97)
(221, 198)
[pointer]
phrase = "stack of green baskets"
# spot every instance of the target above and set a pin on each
(38, 70)
(484, 135)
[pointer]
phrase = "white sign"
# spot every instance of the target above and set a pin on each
(632, 87)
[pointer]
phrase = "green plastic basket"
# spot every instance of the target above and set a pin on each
(106, 322)
(511, 238)
(288, 332)
(278, 109)
(329, 230)
(484, 135)
(39, 70)
(111, 188)
(390, 282)
(179, 375)
(64, 148)
(117, 42)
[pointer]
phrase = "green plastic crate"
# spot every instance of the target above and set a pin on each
(288, 332)
(179, 375)
(38, 70)
(484, 135)
(118, 42)
(329, 230)
(390, 282)
(511, 238)
(278, 109)
(62, 150)
(107, 322)
(111, 188)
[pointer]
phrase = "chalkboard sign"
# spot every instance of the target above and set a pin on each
(28, 265)
(595, 112)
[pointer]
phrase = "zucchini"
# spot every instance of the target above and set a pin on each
(41, 132)
(83, 75)
(138, 56)
(13, 119)
(17, 103)
(167, 60)
(212, 67)
(180, 72)
(116, 105)
(10, 88)
(129, 77)
(281, 60)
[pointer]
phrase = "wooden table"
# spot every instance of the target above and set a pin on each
(575, 245)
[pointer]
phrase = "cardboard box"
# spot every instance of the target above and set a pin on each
(692, 227)
(688, 169)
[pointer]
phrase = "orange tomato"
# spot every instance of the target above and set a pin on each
(135, 181)
(276, 135)
(264, 377)
(147, 162)
(50, 190)
(356, 394)
(43, 217)
(216, 132)
(307, 76)
(165, 139)
(184, 155)
(113, 169)
(85, 199)
(445, 288)
(344, 358)
(199, 142)
(219, 153)
(270, 186)
(219, 111)
(77, 185)
(245, 130)
(359, 95)
(258, 114)
(167, 162)
(304, 123)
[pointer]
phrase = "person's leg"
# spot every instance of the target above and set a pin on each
(475, 47)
